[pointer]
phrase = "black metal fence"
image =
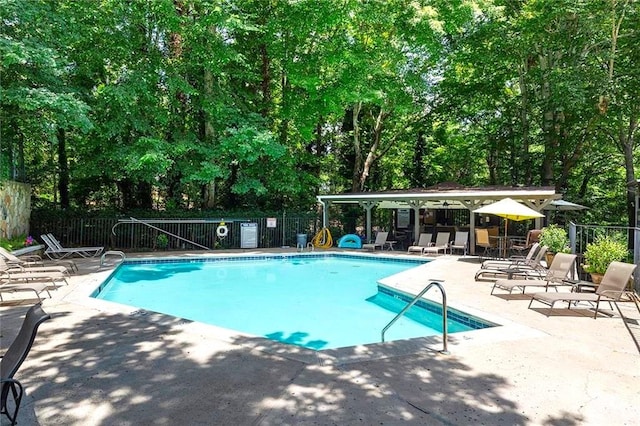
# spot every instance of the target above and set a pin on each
(143, 234)
(582, 235)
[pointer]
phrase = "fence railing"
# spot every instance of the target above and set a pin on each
(130, 235)
(582, 235)
(134, 236)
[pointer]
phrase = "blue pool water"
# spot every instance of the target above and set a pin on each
(319, 302)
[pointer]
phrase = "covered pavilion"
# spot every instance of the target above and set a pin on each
(445, 195)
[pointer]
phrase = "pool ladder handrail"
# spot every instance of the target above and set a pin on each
(436, 283)
(134, 220)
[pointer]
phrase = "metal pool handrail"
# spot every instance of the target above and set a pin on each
(413, 302)
(146, 223)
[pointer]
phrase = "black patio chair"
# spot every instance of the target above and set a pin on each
(13, 358)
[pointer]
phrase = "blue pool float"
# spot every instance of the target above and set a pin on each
(350, 241)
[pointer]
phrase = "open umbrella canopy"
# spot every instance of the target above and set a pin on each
(509, 209)
(564, 205)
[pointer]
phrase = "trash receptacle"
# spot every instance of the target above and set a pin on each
(301, 240)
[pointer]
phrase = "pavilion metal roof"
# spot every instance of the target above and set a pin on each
(448, 196)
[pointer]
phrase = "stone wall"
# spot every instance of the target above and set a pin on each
(15, 209)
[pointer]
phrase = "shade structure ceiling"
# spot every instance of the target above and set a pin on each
(446, 195)
(451, 197)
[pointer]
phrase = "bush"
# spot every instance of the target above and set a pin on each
(602, 252)
(555, 238)
(162, 241)
(17, 242)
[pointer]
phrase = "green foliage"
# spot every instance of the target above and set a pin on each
(162, 241)
(555, 238)
(604, 250)
(238, 104)
(17, 242)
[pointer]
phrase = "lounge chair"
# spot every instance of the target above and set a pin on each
(7, 265)
(423, 241)
(560, 269)
(513, 260)
(38, 286)
(460, 242)
(56, 251)
(17, 276)
(442, 243)
(12, 259)
(13, 358)
(610, 289)
(38, 282)
(381, 241)
(526, 269)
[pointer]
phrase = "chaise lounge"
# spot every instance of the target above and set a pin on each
(558, 272)
(381, 240)
(56, 251)
(442, 243)
(611, 289)
(527, 269)
(424, 241)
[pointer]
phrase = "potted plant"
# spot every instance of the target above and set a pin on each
(600, 253)
(556, 240)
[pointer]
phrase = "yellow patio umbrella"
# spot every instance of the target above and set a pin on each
(509, 209)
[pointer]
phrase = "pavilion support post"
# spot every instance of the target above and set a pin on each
(415, 205)
(472, 233)
(368, 205)
(538, 222)
(471, 205)
(325, 213)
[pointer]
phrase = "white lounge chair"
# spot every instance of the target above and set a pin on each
(381, 240)
(423, 242)
(13, 263)
(56, 251)
(442, 243)
(460, 242)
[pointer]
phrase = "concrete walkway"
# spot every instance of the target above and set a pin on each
(104, 364)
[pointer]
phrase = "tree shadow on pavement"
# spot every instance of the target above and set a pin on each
(90, 367)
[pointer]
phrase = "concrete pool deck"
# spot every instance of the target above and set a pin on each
(96, 363)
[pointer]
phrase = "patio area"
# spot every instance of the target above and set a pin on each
(103, 364)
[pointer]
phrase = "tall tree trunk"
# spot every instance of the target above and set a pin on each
(372, 155)
(627, 142)
(549, 120)
(265, 83)
(20, 173)
(357, 162)
(524, 122)
(143, 195)
(209, 189)
(417, 172)
(284, 125)
(63, 169)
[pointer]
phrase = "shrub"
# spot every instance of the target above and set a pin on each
(162, 241)
(604, 250)
(555, 238)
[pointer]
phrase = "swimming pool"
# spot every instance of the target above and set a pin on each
(317, 301)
